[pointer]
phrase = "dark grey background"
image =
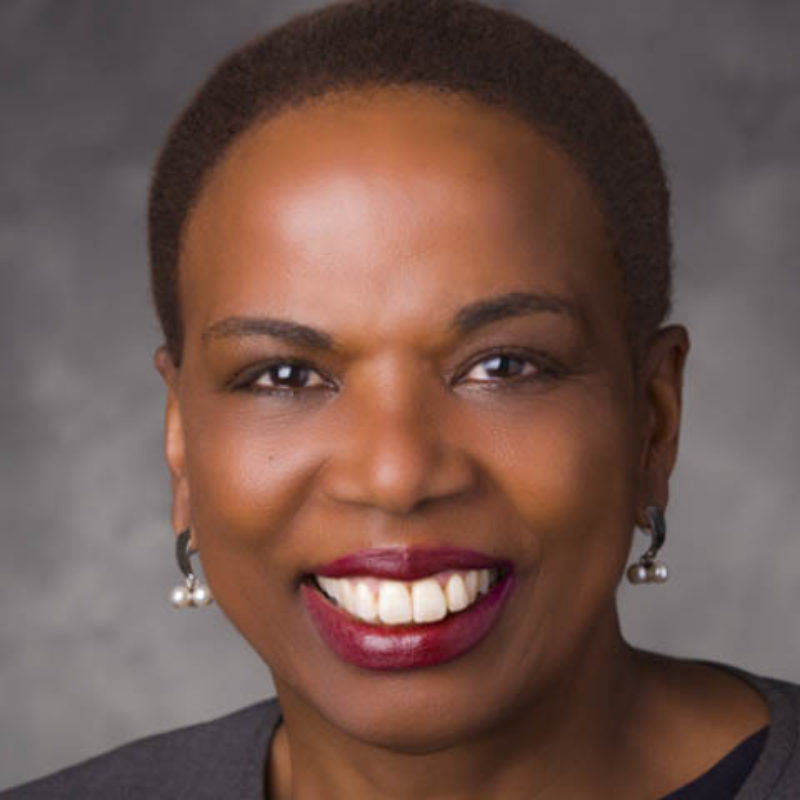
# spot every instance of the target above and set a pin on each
(91, 653)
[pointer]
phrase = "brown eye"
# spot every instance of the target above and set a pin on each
(502, 366)
(286, 376)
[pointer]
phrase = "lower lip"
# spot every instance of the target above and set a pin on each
(394, 647)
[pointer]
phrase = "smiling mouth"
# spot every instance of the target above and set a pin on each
(380, 602)
(406, 608)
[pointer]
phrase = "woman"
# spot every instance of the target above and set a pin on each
(412, 263)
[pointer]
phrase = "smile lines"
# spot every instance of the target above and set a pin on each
(393, 602)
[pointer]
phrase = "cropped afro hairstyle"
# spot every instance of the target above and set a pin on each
(451, 46)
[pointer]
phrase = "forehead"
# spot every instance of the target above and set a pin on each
(366, 203)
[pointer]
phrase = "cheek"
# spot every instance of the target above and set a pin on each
(246, 471)
(568, 469)
(249, 479)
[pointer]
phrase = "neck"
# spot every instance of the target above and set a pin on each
(565, 742)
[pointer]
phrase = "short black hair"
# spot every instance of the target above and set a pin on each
(454, 46)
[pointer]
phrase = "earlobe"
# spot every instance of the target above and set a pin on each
(174, 446)
(662, 388)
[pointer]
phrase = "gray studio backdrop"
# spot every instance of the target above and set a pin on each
(91, 653)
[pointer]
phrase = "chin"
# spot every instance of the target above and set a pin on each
(413, 711)
(425, 719)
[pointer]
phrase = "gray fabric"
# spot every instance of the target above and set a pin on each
(776, 774)
(224, 758)
(215, 760)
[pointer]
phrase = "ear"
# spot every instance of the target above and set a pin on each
(174, 445)
(661, 389)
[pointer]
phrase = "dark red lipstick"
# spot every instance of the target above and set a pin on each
(394, 647)
(408, 563)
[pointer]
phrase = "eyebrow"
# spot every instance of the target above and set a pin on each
(466, 320)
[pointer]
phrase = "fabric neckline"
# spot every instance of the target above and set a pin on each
(728, 774)
(782, 733)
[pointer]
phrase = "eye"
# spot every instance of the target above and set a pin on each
(282, 377)
(505, 368)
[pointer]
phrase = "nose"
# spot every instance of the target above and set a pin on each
(393, 452)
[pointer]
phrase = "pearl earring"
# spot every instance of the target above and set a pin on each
(191, 592)
(647, 569)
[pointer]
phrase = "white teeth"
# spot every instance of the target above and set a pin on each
(331, 587)
(471, 582)
(456, 591)
(365, 603)
(391, 602)
(428, 601)
(347, 595)
(394, 603)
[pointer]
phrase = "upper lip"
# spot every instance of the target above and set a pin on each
(408, 563)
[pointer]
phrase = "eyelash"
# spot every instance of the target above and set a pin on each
(546, 369)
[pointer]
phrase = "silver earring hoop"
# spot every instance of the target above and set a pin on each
(647, 569)
(191, 593)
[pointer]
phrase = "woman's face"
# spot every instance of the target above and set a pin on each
(467, 384)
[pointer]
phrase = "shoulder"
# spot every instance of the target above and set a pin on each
(212, 759)
(776, 774)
